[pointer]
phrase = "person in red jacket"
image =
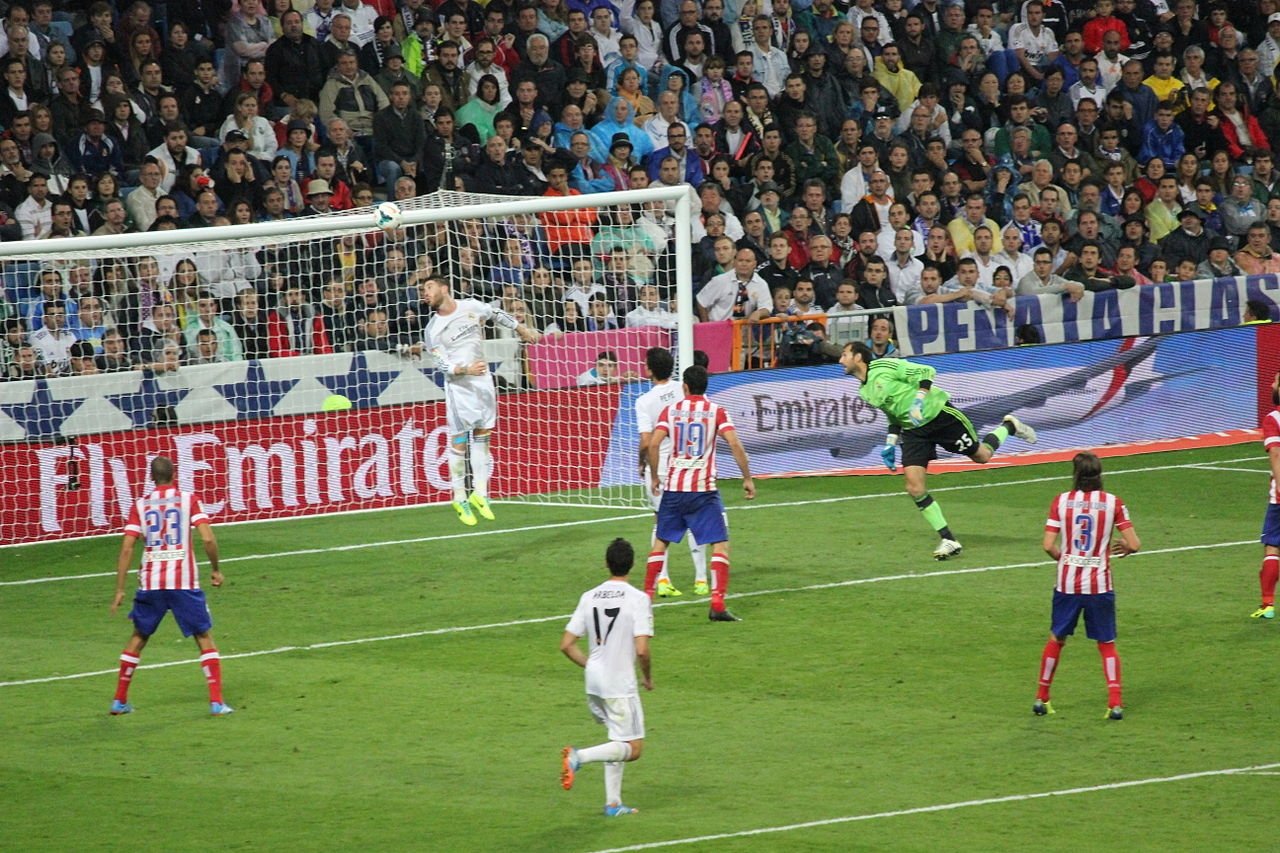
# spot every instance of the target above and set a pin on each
(1239, 128)
(294, 329)
(1095, 28)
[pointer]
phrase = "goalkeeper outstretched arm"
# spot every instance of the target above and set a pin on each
(506, 321)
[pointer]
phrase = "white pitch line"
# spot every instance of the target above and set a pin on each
(536, 620)
(945, 807)
(587, 521)
(1212, 467)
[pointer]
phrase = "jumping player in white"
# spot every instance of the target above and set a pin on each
(617, 620)
(455, 338)
(168, 580)
(649, 407)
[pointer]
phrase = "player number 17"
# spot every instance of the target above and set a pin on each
(612, 614)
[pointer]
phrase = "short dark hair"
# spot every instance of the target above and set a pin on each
(161, 470)
(695, 379)
(619, 557)
(859, 348)
(659, 362)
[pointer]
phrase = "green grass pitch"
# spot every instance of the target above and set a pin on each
(866, 681)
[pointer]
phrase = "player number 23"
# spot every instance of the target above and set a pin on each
(164, 527)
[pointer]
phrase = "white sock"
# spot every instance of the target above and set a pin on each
(699, 555)
(481, 465)
(614, 750)
(613, 782)
(653, 541)
(458, 471)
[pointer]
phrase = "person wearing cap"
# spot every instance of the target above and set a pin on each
(1219, 263)
(318, 195)
(1188, 240)
(394, 71)
(1133, 234)
(1269, 48)
(618, 166)
(294, 62)
(95, 151)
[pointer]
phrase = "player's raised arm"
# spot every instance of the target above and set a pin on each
(123, 563)
(506, 321)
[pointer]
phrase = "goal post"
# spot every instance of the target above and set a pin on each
(293, 418)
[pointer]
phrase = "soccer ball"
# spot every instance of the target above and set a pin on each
(387, 216)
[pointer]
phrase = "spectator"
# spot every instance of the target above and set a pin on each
(207, 320)
(53, 340)
(735, 294)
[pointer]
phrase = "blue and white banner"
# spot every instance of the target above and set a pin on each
(1155, 309)
(1078, 395)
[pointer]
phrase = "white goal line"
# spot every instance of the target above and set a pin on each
(945, 807)
(360, 546)
(463, 629)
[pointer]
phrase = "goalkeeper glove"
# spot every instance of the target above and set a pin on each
(887, 452)
(916, 414)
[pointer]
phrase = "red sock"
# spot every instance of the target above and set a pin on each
(1268, 576)
(128, 663)
(1048, 665)
(1111, 671)
(719, 580)
(657, 562)
(212, 666)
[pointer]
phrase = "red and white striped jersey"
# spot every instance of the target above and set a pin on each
(1270, 439)
(694, 424)
(1086, 520)
(164, 521)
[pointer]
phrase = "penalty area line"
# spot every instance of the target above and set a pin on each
(538, 620)
(945, 807)
(419, 540)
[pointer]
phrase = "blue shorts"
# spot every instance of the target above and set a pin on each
(700, 513)
(1271, 526)
(190, 610)
(1099, 615)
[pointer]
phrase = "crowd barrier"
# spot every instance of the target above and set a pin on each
(1156, 309)
(252, 441)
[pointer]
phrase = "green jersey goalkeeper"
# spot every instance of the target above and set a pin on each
(922, 419)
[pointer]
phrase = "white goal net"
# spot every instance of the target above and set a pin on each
(279, 362)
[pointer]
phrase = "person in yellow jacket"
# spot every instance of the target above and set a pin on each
(901, 82)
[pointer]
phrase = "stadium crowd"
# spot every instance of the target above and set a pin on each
(845, 157)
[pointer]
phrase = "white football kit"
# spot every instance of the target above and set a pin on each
(648, 409)
(457, 340)
(611, 616)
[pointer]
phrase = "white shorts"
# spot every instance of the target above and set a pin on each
(470, 402)
(622, 716)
